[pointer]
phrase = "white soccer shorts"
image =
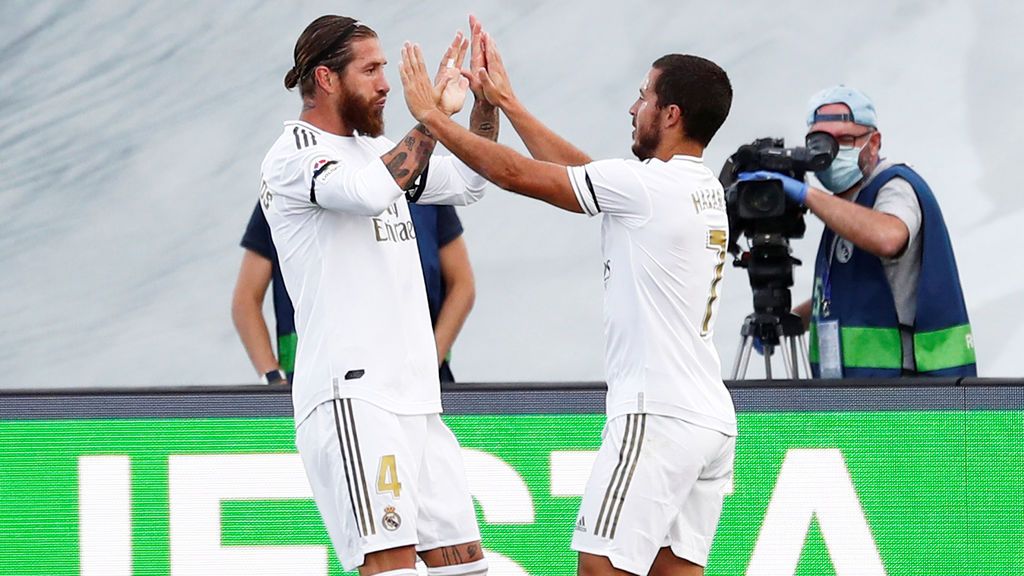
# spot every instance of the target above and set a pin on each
(383, 480)
(657, 481)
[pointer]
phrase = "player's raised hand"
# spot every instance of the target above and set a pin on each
(448, 82)
(420, 94)
(477, 58)
(451, 62)
(453, 95)
(492, 76)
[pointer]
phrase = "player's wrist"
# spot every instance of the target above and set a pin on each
(482, 104)
(432, 119)
(275, 376)
(508, 103)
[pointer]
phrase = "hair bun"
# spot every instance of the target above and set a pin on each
(291, 79)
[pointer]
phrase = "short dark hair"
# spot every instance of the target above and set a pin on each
(327, 41)
(699, 88)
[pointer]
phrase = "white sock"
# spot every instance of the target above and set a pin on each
(399, 572)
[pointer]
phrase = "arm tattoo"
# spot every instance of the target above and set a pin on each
(460, 554)
(483, 121)
(423, 130)
(406, 160)
(396, 166)
(423, 151)
(451, 555)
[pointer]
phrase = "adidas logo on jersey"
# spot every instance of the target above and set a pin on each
(581, 524)
(304, 137)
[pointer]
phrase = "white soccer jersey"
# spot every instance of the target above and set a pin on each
(347, 249)
(664, 240)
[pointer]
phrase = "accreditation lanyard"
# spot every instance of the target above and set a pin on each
(829, 345)
(826, 276)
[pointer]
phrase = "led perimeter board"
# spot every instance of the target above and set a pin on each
(922, 477)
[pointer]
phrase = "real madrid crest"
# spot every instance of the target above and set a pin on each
(844, 250)
(391, 520)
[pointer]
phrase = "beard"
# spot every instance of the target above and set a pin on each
(646, 143)
(361, 115)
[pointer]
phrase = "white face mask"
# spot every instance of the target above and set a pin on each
(844, 171)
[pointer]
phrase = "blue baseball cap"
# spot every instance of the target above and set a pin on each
(862, 109)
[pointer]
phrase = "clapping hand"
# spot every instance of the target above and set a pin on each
(487, 75)
(448, 78)
(421, 96)
(477, 59)
(447, 93)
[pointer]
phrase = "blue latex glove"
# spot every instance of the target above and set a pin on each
(795, 189)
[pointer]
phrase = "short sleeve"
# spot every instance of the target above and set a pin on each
(449, 227)
(257, 235)
(611, 187)
(897, 197)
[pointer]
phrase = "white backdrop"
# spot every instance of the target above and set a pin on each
(131, 137)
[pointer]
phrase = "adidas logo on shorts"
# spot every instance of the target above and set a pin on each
(581, 524)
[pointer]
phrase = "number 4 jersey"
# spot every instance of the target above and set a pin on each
(664, 240)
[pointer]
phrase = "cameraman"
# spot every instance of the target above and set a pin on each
(887, 299)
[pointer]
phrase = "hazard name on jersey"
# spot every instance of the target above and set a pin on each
(388, 227)
(708, 199)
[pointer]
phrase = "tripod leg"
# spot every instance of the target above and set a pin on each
(805, 360)
(768, 350)
(739, 367)
(787, 358)
(793, 356)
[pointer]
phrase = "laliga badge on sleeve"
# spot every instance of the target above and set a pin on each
(830, 357)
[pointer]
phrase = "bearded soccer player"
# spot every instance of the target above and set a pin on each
(386, 472)
(654, 496)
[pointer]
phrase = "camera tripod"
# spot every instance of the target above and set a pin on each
(785, 332)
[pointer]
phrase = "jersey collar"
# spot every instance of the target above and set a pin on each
(687, 158)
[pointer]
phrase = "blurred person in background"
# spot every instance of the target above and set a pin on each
(887, 299)
(447, 274)
(258, 271)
